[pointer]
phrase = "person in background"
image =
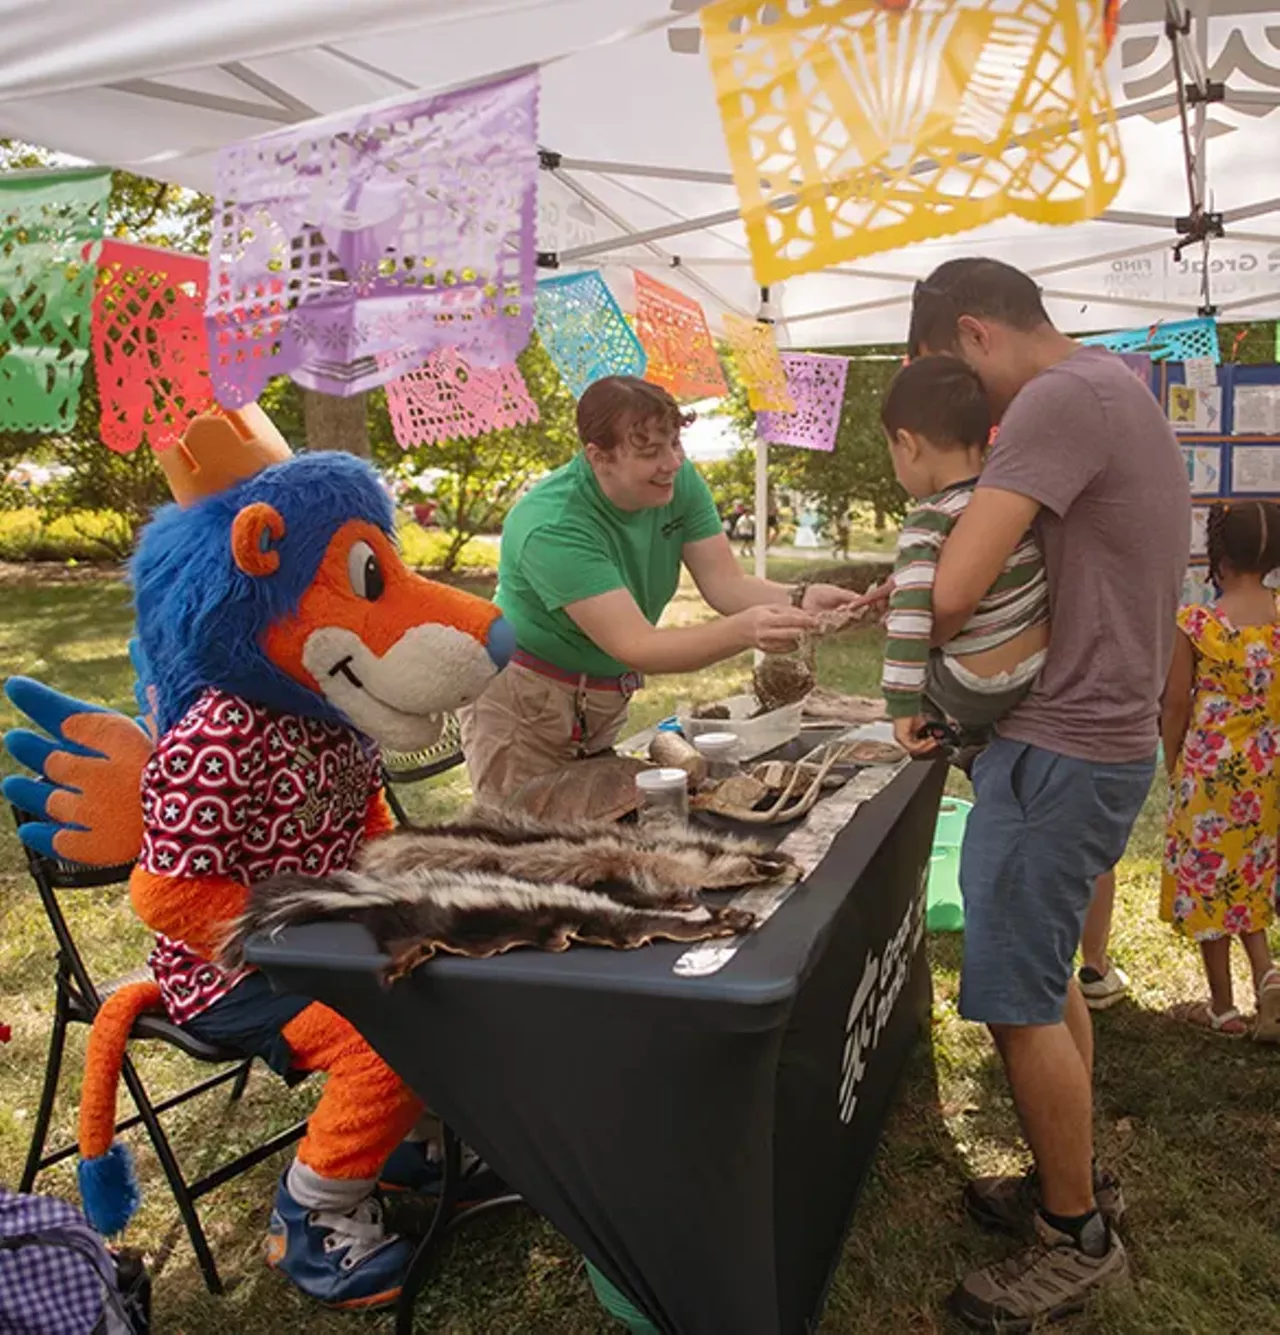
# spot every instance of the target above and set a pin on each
(590, 558)
(1086, 459)
(1101, 980)
(1221, 730)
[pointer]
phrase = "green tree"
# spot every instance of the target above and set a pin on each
(734, 479)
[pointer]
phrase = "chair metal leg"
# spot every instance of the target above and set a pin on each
(242, 1079)
(52, 1069)
(172, 1171)
(416, 1275)
(397, 808)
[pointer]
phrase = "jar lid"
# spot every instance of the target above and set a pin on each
(661, 780)
(717, 745)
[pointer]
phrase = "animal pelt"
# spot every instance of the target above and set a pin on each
(496, 880)
(622, 861)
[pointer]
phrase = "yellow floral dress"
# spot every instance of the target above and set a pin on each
(1224, 807)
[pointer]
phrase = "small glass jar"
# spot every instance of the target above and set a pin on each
(664, 797)
(721, 751)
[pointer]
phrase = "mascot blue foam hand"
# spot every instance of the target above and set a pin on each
(90, 762)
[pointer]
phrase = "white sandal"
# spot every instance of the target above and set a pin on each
(1267, 1027)
(1201, 1015)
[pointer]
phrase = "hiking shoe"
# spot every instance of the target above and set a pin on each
(414, 1170)
(1010, 1204)
(1050, 1280)
(1102, 989)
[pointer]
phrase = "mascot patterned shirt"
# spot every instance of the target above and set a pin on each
(236, 789)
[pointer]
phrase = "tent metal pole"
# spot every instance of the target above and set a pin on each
(883, 303)
(1257, 300)
(725, 216)
(689, 174)
(588, 197)
(1141, 303)
(1162, 221)
(1264, 206)
(1105, 258)
(765, 314)
(1251, 97)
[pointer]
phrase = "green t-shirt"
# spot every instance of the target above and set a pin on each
(564, 541)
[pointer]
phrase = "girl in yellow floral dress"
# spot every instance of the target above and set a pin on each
(1221, 730)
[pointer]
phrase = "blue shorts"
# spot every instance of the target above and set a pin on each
(250, 1018)
(1043, 827)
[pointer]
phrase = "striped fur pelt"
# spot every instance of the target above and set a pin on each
(496, 880)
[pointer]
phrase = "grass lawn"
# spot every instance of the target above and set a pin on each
(1190, 1122)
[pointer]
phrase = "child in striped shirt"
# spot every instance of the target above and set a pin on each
(936, 418)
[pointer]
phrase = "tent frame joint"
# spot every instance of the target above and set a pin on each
(1211, 92)
(1199, 225)
(549, 160)
(547, 259)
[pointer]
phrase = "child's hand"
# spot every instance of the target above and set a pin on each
(906, 732)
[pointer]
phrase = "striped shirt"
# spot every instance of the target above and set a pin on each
(1017, 601)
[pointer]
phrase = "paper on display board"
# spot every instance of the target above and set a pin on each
(1255, 470)
(1257, 410)
(1201, 372)
(1192, 409)
(1199, 531)
(1196, 585)
(1204, 468)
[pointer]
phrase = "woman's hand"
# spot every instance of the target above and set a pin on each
(773, 629)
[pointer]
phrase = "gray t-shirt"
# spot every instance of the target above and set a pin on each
(1089, 441)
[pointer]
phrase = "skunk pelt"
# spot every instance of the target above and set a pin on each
(625, 862)
(412, 914)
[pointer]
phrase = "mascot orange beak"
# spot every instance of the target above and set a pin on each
(390, 650)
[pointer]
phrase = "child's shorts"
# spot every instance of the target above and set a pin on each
(978, 702)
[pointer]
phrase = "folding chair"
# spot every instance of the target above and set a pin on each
(404, 767)
(77, 999)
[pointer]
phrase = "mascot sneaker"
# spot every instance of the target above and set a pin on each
(341, 1260)
(411, 1169)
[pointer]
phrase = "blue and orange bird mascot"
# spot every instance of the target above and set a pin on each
(284, 640)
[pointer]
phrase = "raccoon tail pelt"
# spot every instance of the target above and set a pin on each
(630, 866)
(412, 915)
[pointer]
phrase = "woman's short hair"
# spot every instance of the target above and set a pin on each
(613, 411)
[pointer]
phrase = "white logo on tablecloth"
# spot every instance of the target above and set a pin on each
(877, 993)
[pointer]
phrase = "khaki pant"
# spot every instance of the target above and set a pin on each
(523, 727)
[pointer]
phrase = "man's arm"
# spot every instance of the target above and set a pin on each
(974, 554)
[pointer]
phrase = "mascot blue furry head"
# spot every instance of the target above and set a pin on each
(278, 580)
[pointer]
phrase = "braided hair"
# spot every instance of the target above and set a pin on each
(1244, 535)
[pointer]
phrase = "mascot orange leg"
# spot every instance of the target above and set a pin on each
(366, 1110)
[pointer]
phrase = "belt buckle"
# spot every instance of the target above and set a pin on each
(629, 683)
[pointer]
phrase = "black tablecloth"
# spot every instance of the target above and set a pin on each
(702, 1140)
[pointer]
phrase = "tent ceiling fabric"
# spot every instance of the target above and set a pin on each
(161, 88)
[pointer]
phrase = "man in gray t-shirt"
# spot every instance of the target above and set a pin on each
(1086, 460)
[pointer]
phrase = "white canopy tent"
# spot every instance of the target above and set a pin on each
(628, 114)
(636, 174)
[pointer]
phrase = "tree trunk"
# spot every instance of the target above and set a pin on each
(881, 521)
(336, 424)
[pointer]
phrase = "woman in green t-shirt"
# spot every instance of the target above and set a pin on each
(591, 556)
